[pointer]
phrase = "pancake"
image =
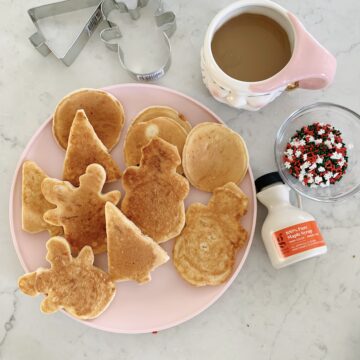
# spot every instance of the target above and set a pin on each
(131, 254)
(153, 112)
(155, 193)
(72, 284)
(105, 112)
(81, 210)
(34, 205)
(204, 253)
(86, 148)
(214, 155)
(140, 134)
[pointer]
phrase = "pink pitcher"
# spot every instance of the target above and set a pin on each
(311, 66)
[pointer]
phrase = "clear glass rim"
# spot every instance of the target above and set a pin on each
(281, 130)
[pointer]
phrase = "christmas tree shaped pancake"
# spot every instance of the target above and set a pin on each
(85, 148)
(34, 205)
(131, 254)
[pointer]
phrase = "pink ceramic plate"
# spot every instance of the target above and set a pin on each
(167, 300)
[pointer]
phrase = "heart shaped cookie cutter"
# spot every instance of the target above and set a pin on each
(165, 21)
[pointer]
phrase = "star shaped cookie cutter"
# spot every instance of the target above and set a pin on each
(165, 21)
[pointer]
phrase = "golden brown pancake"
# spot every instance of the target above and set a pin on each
(153, 112)
(214, 155)
(204, 253)
(105, 113)
(140, 134)
(131, 254)
(85, 148)
(72, 284)
(81, 211)
(155, 193)
(34, 205)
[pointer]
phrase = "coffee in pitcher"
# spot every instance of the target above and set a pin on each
(251, 47)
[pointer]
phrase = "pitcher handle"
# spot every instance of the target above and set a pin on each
(311, 65)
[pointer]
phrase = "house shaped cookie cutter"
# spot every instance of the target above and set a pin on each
(38, 39)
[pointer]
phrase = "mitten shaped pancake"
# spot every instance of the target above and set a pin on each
(105, 113)
(85, 148)
(204, 252)
(140, 134)
(34, 205)
(131, 254)
(81, 211)
(73, 284)
(214, 155)
(153, 112)
(155, 193)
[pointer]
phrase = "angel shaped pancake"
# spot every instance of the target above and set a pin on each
(81, 211)
(155, 193)
(73, 284)
(204, 253)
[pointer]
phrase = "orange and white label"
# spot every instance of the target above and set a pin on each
(298, 238)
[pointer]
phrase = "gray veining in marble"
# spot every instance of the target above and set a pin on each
(310, 311)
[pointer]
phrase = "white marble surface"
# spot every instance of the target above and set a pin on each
(308, 311)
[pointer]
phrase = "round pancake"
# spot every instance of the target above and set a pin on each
(153, 112)
(214, 155)
(104, 111)
(140, 134)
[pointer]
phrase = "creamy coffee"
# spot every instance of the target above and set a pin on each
(251, 47)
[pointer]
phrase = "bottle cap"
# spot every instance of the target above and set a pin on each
(266, 180)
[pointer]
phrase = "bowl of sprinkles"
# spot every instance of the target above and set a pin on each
(316, 155)
(317, 152)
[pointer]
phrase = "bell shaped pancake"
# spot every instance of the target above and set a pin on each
(204, 253)
(131, 254)
(80, 210)
(34, 205)
(72, 284)
(156, 111)
(85, 148)
(140, 134)
(155, 193)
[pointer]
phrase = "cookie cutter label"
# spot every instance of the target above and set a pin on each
(38, 39)
(165, 21)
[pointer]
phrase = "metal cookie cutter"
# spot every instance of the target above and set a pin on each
(39, 41)
(166, 21)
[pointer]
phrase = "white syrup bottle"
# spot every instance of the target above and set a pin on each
(289, 233)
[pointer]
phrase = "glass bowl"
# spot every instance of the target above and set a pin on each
(343, 119)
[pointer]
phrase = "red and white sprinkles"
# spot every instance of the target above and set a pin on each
(316, 155)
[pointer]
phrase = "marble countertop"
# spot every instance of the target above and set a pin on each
(308, 311)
